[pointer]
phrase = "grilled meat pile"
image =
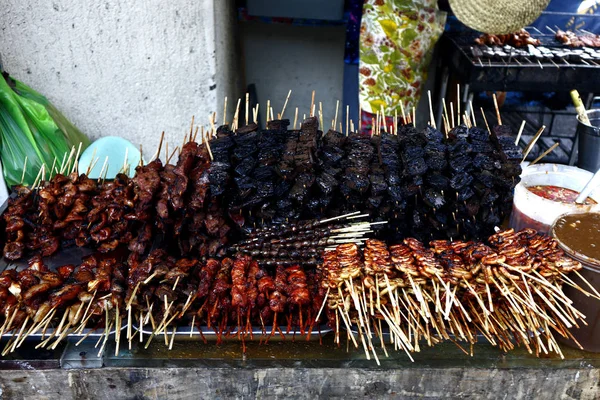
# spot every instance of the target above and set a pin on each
(424, 184)
(506, 290)
(571, 39)
(517, 39)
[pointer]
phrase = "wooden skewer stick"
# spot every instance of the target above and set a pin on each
(347, 119)
(467, 121)
(404, 121)
(191, 131)
(141, 157)
(8, 320)
(18, 339)
(148, 279)
(65, 167)
(175, 150)
(571, 283)
(312, 104)
(225, 111)
(104, 167)
(132, 297)
(35, 182)
(452, 115)
(286, 101)
(323, 305)
(544, 154)
(129, 335)
(255, 114)
(247, 113)
(321, 115)
(295, 118)
(446, 112)
(414, 117)
(520, 132)
(234, 125)
(54, 170)
(76, 161)
(533, 141)
(431, 117)
(195, 134)
(587, 283)
(446, 126)
(485, 120)
(212, 120)
(24, 169)
(125, 165)
(337, 105)
(160, 143)
(497, 109)
(458, 102)
(473, 113)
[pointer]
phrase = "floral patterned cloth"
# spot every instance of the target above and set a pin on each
(396, 41)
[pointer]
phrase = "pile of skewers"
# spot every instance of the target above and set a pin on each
(231, 297)
(163, 292)
(67, 301)
(508, 290)
(161, 240)
(424, 184)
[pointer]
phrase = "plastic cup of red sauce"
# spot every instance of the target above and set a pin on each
(547, 191)
(578, 234)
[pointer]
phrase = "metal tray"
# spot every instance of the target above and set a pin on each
(256, 333)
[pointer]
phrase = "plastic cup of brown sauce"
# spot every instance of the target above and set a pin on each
(578, 234)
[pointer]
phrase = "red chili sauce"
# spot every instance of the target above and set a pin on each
(558, 194)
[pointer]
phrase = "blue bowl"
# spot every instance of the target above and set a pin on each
(114, 148)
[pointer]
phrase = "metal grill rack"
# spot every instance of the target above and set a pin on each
(555, 66)
(549, 67)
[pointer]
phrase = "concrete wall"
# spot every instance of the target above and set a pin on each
(126, 68)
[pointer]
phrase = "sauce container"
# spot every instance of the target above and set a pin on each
(588, 336)
(532, 211)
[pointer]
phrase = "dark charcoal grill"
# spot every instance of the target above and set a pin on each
(551, 66)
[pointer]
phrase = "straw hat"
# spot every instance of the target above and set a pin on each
(497, 16)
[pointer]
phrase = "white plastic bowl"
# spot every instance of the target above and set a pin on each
(532, 211)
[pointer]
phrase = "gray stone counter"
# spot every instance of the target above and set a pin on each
(299, 370)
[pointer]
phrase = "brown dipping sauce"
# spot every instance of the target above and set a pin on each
(580, 233)
(558, 194)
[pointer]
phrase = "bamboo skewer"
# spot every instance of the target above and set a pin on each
(497, 109)
(285, 104)
(247, 113)
(431, 117)
(485, 120)
(533, 141)
(520, 133)
(544, 154)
